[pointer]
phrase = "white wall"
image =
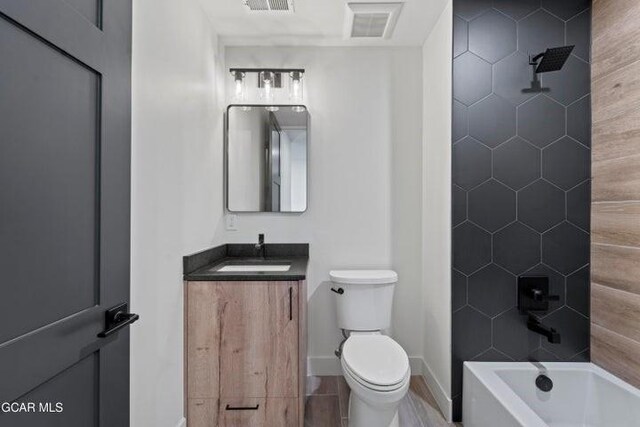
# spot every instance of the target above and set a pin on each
(436, 208)
(176, 190)
(364, 179)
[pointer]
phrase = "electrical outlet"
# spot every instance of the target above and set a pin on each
(231, 222)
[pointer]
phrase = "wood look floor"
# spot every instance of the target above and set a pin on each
(328, 400)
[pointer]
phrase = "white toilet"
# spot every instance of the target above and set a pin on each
(374, 365)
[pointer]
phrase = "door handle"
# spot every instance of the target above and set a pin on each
(116, 318)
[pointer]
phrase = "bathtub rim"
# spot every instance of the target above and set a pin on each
(486, 374)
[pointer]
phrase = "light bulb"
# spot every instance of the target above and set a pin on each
(268, 94)
(296, 90)
(239, 89)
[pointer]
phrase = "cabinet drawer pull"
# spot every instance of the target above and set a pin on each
(290, 303)
(242, 408)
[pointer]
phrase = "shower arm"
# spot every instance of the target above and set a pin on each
(534, 60)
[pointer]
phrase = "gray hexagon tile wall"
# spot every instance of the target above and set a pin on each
(521, 189)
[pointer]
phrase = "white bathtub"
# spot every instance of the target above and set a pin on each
(504, 394)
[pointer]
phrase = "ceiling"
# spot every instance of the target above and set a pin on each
(315, 23)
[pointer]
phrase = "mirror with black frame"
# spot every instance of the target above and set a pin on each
(267, 155)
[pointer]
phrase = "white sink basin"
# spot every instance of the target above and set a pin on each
(253, 268)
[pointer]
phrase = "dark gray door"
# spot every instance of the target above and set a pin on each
(65, 70)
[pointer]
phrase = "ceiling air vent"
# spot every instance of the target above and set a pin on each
(371, 20)
(279, 6)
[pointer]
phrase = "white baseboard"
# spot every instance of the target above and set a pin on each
(440, 395)
(182, 422)
(330, 365)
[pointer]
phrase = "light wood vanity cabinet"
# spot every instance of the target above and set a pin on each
(245, 345)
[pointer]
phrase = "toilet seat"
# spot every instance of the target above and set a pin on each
(372, 387)
(376, 362)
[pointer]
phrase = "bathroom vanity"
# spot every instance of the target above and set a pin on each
(245, 335)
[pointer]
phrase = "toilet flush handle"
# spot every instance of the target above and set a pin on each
(338, 291)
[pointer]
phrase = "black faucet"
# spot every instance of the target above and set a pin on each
(534, 324)
(260, 248)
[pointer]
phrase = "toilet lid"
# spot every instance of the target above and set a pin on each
(366, 277)
(376, 359)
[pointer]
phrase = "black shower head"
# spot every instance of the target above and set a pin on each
(552, 60)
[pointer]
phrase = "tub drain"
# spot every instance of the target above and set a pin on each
(544, 383)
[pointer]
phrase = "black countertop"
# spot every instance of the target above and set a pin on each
(202, 266)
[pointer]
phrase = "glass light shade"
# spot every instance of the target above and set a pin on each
(267, 78)
(296, 86)
(240, 90)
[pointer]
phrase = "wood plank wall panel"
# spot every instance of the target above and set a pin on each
(617, 310)
(614, 20)
(616, 267)
(616, 223)
(616, 137)
(617, 93)
(616, 353)
(615, 213)
(616, 179)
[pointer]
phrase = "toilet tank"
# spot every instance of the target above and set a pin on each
(363, 298)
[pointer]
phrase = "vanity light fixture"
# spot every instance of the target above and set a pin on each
(270, 81)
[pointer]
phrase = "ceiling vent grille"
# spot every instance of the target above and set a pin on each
(369, 24)
(276, 6)
(371, 20)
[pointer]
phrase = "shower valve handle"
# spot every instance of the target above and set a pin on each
(538, 295)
